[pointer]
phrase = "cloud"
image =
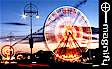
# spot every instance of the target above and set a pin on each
(15, 23)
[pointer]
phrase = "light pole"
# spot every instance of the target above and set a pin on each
(31, 10)
(10, 39)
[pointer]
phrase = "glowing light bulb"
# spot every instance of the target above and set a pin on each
(23, 16)
(37, 17)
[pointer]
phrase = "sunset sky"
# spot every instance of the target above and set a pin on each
(11, 20)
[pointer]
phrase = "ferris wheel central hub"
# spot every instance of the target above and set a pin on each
(69, 33)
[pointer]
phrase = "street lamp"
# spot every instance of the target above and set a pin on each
(30, 10)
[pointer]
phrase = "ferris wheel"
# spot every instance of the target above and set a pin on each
(67, 33)
(7, 51)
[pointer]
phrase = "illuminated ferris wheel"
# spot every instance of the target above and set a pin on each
(7, 51)
(67, 33)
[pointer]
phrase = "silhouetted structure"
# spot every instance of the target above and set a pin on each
(43, 56)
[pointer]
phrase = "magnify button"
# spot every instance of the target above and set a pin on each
(105, 7)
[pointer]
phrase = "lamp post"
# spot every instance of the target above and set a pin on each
(10, 39)
(31, 10)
